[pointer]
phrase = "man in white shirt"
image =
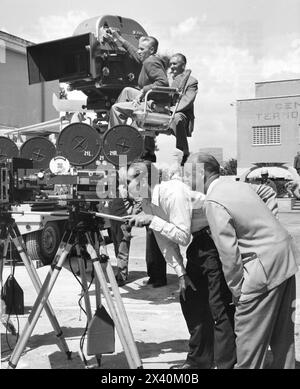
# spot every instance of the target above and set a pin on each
(175, 213)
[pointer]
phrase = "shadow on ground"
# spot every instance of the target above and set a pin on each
(9, 341)
(58, 359)
(137, 289)
(119, 361)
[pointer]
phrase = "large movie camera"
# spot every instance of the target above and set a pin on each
(44, 175)
(70, 170)
(100, 68)
(89, 62)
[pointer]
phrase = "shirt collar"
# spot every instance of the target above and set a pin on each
(155, 195)
(212, 185)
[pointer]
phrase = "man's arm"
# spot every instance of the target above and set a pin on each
(132, 50)
(172, 219)
(171, 253)
(225, 239)
(175, 202)
(187, 100)
(168, 247)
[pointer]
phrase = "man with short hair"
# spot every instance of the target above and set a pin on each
(266, 180)
(153, 73)
(183, 123)
(259, 265)
(173, 212)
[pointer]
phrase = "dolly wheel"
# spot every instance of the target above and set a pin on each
(42, 245)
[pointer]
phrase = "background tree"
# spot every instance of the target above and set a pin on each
(229, 168)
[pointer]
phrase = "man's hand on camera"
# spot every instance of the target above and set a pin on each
(114, 34)
(105, 35)
(184, 283)
(140, 220)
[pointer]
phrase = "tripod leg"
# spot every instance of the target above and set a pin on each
(123, 315)
(85, 293)
(121, 308)
(62, 252)
(19, 244)
(109, 300)
(98, 304)
(98, 292)
(3, 316)
(3, 259)
(84, 284)
(97, 284)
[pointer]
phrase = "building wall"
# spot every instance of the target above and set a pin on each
(277, 88)
(21, 104)
(283, 112)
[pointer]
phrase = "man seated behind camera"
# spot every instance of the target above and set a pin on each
(183, 123)
(153, 73)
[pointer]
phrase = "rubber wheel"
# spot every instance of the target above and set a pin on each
(42, 245)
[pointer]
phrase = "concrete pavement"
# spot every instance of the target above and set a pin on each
(155, 316)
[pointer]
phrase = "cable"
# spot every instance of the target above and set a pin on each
(82, 339)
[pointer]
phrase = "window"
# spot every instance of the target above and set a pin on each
(266, 135)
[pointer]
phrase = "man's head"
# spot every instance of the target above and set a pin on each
(177, 64)
(264, 174)
(142, 176)
(204, 169)
(148, 45)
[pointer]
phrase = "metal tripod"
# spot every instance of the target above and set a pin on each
(9, 231)
(79, 229)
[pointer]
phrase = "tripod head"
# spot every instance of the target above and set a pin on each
(83, 220)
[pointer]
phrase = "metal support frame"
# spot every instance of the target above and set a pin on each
(76, 230)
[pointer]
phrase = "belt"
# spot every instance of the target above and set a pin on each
(203, 231)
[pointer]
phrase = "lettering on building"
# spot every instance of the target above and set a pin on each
(282, 111)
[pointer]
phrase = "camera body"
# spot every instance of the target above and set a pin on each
(88, 62)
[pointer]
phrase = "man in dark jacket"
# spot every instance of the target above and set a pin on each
(183, 123)
(153, 73)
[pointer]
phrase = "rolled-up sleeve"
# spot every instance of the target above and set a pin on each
(171, 253)
(224, 236)
(176, 204)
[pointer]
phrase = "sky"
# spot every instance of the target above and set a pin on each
(229, 45)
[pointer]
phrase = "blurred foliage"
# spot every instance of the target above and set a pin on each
(229, 168)
(279, 182)
(280, 185)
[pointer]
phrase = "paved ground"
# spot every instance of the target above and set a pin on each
(155, 316)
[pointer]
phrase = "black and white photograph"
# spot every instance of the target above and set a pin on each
(149, 187)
